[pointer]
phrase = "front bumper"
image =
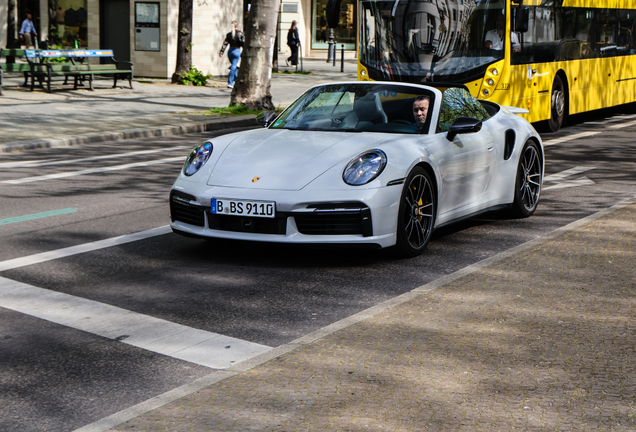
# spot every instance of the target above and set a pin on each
(360, 216)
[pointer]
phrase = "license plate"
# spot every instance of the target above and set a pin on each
(265, 209)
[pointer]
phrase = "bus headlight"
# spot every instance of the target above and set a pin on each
(490, 81)
(495, 72)
(486, 92)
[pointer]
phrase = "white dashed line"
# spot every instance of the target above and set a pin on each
(46, 162)
(93, 171)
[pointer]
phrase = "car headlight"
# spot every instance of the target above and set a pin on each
(364, 167)
(197, 158)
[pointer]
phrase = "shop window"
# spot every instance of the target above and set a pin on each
(71, 23)
(345, 33)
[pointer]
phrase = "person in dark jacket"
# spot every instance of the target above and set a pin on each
(235, 39)
(293, 40)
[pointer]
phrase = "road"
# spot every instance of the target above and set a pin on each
(69, 227)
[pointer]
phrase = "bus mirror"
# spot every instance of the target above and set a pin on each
(522, 19)
(333, 13)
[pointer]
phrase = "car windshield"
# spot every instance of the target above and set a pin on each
(359, 108)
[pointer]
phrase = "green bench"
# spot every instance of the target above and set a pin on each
(21, 66)
(44, 71)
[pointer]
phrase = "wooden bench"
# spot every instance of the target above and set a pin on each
(43, 70)
(18, 66)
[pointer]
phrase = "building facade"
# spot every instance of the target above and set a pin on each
(145, 32)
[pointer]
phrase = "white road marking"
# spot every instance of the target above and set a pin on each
(622, 125)
(585, 134)
(86, 247)
(583, 181)
(555, 141)
(93, 171)
(567, 173)
(142, 331)
(562, 178)
(45, 162)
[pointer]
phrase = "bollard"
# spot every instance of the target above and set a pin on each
(335, 52)
(332, 43)
(342, 60)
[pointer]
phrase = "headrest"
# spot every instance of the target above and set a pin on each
(369, 108)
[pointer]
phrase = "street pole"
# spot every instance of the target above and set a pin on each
(330, 51)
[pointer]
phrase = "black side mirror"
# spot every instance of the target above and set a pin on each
(265, 118)
(333, 13)
(522, 19)
(463, 125)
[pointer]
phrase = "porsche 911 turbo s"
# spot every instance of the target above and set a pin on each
(377, 163)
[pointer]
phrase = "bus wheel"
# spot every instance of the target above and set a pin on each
(557, 104)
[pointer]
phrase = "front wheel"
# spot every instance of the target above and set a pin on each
(416, 216)
(527, 182)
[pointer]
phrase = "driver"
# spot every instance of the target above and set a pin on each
(420, 111)
(495, 37)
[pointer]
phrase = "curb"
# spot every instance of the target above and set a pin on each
(100, 137)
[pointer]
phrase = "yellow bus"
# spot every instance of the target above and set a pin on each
(551, 57)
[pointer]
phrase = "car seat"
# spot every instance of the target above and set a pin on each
(367, 111)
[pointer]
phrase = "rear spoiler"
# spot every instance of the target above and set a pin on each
(516, 110)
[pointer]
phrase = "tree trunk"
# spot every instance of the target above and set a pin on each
(252, 87)
(12, 10)
(184, 42)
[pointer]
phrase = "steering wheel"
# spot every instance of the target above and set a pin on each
(401, 121)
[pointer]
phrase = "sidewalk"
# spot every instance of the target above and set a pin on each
(36, 119)
(540, 338)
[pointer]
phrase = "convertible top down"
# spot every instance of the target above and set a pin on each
(368, 163)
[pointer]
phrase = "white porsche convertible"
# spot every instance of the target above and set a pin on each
(378, 163)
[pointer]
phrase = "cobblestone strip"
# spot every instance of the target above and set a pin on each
(543, 340)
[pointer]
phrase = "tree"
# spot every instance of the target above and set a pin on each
(252, 87)
(12, 8)
(184, 41)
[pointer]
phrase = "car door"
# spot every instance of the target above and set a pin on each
(465, 162)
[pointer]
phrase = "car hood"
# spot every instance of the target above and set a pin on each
(286, 159)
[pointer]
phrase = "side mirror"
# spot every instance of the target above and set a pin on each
(265, 118)
(333, 13)
(522, 19)
(463, 125)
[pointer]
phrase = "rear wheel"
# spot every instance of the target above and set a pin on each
(528, 182)
(416, 216)
(557, 104)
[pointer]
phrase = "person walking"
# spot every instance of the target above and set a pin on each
(235, 39)
(27, 31)
(293, 40)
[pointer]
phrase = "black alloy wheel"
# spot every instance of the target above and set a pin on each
(416, 216)
(528, 181)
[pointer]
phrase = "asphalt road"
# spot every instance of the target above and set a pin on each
(57, 377)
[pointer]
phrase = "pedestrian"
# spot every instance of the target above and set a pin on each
(293, 40)
(235, 39)
(27, 31)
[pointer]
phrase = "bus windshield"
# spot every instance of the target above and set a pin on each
(431, 40)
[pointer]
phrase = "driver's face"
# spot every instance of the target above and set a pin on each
(501, 23)
(420, 110)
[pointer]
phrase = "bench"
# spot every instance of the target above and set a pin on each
(21, 66)
(43, 70)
